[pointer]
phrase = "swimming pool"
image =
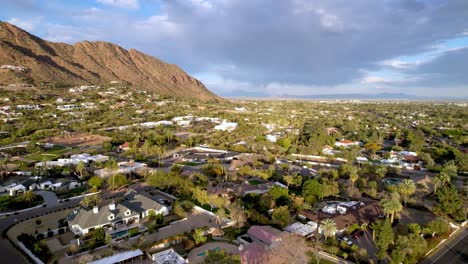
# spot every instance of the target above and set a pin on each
(203, 254)
(119, 234)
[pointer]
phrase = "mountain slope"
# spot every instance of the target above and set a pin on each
(90, 63)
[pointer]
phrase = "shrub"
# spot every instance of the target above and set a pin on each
(50, 234)
(40, 237)
(61, 231)
(133, 232)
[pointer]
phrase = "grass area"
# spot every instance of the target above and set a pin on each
(48, 155)
(71, 193)
(186, 163)
(254, 182)
(13, 203)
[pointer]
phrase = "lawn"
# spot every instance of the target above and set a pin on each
(11, 203)
(53, 154)
(71, 193)
(186, 163)
(254, 182)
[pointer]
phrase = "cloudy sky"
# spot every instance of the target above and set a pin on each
(275, 47)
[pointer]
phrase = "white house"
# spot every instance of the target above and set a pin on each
(133, 208)
(167, 256)
(226, 126)
(347, 143)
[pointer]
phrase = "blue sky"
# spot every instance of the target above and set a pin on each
(270, 48)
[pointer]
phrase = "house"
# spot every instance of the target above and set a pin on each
(132, 208)
(262, 188)
(226, 126)
(26, 185)
(345, 214)
(347, 143)
(203, 154)
(300, 229)
(167, 256)
(73, 160)
(259, 243)
(125, 167)
(122, 257)
(125, 146)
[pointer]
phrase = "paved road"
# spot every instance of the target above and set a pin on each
(453, 252)
(7, 252)
(50, 198)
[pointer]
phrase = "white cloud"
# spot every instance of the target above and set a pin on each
(28, 25)
(374, 79)
(134, 4)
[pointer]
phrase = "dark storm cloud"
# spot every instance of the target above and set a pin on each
(307, 42)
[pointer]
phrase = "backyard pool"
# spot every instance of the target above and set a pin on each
(204, 252)
(119, 234)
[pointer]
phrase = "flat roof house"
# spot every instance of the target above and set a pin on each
(345, 214)
(117, 215)
(168, 256)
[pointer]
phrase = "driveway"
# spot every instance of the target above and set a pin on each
(366, 242)
(49, 198)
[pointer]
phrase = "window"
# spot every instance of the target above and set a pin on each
(111, 217)
(127, 212)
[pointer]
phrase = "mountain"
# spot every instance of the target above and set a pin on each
(60, 64)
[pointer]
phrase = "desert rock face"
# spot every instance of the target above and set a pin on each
(61, 64)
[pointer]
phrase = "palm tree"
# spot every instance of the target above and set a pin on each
(161, 151)
(28, 196)
(441, 179)
(391, 207)
(406, 189)
(5, 166)
(328, 227)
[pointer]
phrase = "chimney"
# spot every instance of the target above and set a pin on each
(112, 206)
(95, 209)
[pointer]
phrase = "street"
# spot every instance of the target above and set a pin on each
(453, 252)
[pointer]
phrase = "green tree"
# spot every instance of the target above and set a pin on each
(199, 236)
(406, 188)
(80, 167)
(99, 235)
(293, 180)
(117, 181)
(437, 227)
(312, 190)
(28, 196)
(450, 203)
(328, 227)
(353, 177)
(281, 216)
(95, 182)
(284, 142)
(276, 192)
(384, 237)
(221, 257)
(90, 201)
(441, 179)
(391, 206)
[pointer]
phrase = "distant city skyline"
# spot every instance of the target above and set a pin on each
(271, 48)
